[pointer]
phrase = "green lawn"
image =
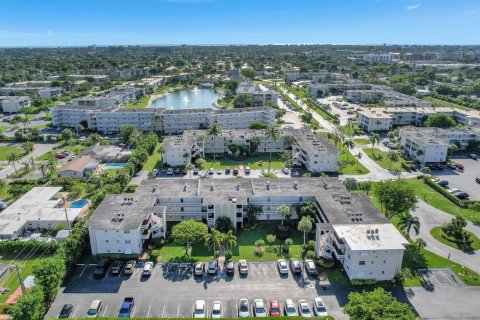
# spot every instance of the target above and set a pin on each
(75, 150)
(4, 193)
(258, 161)
(350, 131)
(142, 103)
(475, 245)
(154, 161)
(444, 104)
(361, 141)
(380, 157)
(244, 249)
(4, 128)
(5, 151)
(25, 263)
(224, 103)
(353, 166)
(435, 199)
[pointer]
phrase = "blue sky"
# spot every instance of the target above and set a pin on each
(105, 22)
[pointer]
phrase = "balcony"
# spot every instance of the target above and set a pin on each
(146, 234)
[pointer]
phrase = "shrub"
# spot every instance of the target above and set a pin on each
(325, 263)
(259, 243)
(216, 254)
(259, 251)
(228, 254)
(363, 282)
(310, 254)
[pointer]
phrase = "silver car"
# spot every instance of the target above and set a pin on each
(282, 266)
(243, 308)
(303, 309)
(290, 308)
(259, 308)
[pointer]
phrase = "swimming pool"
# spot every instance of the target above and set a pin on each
(114, 165)
(79, 204)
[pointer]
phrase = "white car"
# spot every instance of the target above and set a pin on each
(243, 308)
(169, 171)
(290, 309)
(319, 307)
(282, 266)
(199, 309)
(211, 171)
(147, 269)
(247, 170)
(219, 171)
(303, 309)
(259, 308)
(454, 190)
(155, 171)
(286, 171)
(217, 310)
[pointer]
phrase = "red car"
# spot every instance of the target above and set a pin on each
(59, 155)
(235, 171)
(459, 166)
(275, 308)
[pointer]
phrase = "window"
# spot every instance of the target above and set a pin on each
(383, 272)
(364, 253)
(128, 241)
(106, 241)
(239, 214)
(126, 231)
(349, 256)
(361, 263)
(384, 261)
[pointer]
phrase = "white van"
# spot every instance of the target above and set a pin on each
(95, 308)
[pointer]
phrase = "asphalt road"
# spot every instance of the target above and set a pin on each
(172, 290)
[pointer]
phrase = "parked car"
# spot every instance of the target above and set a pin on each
(169, 171)
(295, 266)
(452, 165)
(303, 309)
(117, 267)
(282, 266)
(310, 267)
(199, 309)
(195, 171)
(259, 309)
(219, 171)
(129, 267)
(227, 171)
(290, 308)
(275, 310)
(443, 183)
(59, 155)
(473, 156)
(211, 171)
(459, 166)
(461, 195)
(243, 308)
(230, 267)
(247, 170)
(235, 171)
(477, 179)
(147, 269)
(217, 310)
(177, 171)
(199, 269)
(184, 171)
(413, 167)
(242, 266)
(212, 267)
(319, 307)
(101, 269)
(286, 171)
(126, 308)
(454, 190)
(65, 312)
(95, 308)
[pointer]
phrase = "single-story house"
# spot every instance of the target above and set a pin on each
(79, 168)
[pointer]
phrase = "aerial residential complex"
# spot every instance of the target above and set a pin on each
(312, 151)
(259, 97)
(348, 225)
(11, 104)
(431, 144)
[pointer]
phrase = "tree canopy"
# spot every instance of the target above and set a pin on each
(188, 232)
(395, 196)
(440, 121)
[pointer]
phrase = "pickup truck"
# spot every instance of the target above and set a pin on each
(126, 308)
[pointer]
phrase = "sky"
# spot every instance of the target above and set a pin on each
(210, 22)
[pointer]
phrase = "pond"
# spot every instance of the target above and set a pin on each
(187, 99)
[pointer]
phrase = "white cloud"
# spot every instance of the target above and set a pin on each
(413, 7)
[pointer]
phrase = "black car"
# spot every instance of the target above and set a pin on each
(461, 195)
(230, 267)
(177, 171)
(477, 179)
(227, 171)
(66, 310)
(101, 269)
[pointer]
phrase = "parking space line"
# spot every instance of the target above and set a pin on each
(163, 311)
(148, 312)
(106, 274)
(81, 273)
(105, 310)
(74, 312)
(168, 265)
(178, 310)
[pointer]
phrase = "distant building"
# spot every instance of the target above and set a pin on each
(383, 58)
(50, 92)
(259, 97)
(11, 104)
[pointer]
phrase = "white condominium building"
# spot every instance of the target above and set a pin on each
(259, 97)
(374, 120)
(384, 58)
(431, 144)
(385, 96)
(344, 221)
(112, 98)
(314, 152)
(12, 104)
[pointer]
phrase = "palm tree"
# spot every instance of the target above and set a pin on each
(284, 211)
(185, 156)
(374, 138)
(254, 143)
(229, 240)
(418, 153)
(214, 130)
(212, 239)
(52, 164)
(272, 132)
(28, 147)
(32, 163)
(349, 144)
(43, 168)
(190, 167)
(12, 159)
(26, 166)
(407, 222)
(393, 157)
(26, 121)
(305, 225)
(420, 244)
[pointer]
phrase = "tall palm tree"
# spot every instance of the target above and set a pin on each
(349, 144)
(452, 148)
(407, 222)
(393, 157)
(212, 239)
(214, 130)
(284, 211)
(12, 159)
(254, 143)
(43, 168)
(52, 164)
(229, 240)
(420, 244)
(26, 166)
(185, 156)
(273, 133)
(374, 138)
(305, 225)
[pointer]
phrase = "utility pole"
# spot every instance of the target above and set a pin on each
(22, 285)
(66, 214)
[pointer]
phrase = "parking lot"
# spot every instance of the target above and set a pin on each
(171, 290)
(463, 179)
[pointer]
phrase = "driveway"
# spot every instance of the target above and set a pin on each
(430, 218)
